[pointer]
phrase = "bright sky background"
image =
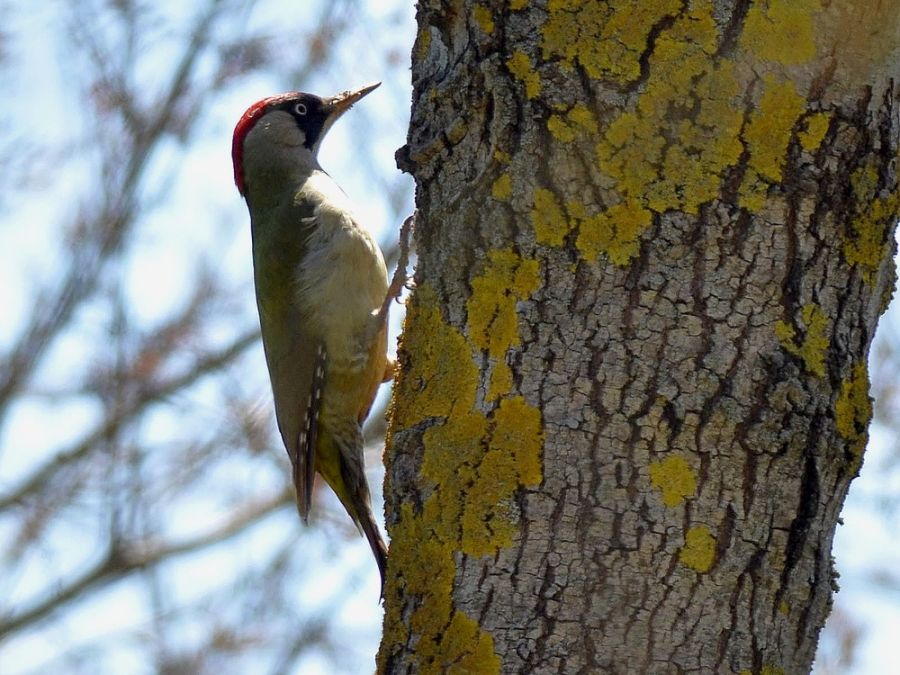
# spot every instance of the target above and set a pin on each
(202, 211)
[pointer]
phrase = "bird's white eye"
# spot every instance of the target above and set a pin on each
(300, 109)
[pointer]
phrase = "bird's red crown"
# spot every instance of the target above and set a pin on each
(248, 120)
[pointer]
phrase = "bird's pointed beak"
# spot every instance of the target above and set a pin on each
(337, 106)
(342, 102)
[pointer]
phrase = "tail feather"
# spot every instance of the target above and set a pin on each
(355, 494)
(376, 543)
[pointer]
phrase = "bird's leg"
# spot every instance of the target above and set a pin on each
(398, 283)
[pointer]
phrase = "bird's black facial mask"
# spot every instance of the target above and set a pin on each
(311, 114)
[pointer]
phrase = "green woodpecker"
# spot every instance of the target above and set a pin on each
(321, 284)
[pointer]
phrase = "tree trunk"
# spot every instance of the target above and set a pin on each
(654, 240)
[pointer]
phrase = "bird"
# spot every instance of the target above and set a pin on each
(321, 287)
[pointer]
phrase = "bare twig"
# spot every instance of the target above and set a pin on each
(208, 364)
(126, 557)
(56, 304)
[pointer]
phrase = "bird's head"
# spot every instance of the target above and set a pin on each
(291, 120)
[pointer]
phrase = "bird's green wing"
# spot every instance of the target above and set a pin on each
(294, 354)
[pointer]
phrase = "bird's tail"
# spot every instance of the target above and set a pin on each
(340, 462)
(379, 549)
(359, 506)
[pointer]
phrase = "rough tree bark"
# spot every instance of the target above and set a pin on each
(654, 240)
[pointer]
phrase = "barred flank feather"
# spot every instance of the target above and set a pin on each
(305, 461)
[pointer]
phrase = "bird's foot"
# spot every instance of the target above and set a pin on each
(399, 282)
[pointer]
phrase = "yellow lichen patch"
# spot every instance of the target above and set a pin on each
(670, 152)
(518, 432)
(769, 131)
(423, 43)
(428, 572)
(853, 409)
(754, 193)
(550, 223)
(767, 669)
(501, 381)
(868, 244)
(447, 638)
(453, 453)
(501, 190)
(615, 232)
(560, 129)
(520, 66)
(784, 331)
(699, 551)
(483, 18)
(441, 375)
(579, 120)
(516, 5)
(433, 586)
(607, 39)
(864, 182)
(767, 137)
(816, 126)
(486, 522)
(814, 347)
(477, 464)
(472, 464)
(781, 30)
(506, 279)
(468, 649)
(675, 478)
(513, 459)
(475, 461)
(582, 116)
